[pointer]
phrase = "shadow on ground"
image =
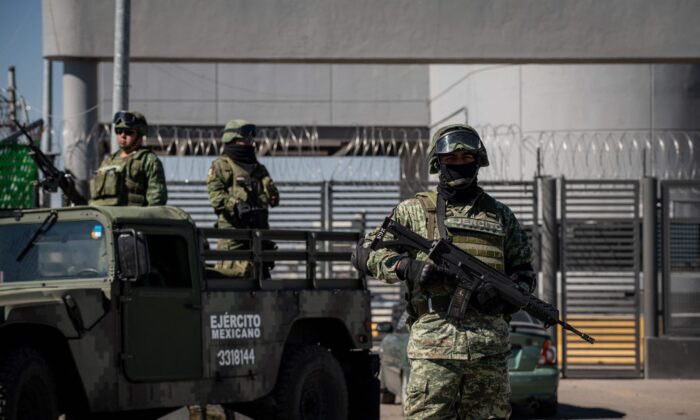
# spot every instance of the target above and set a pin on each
(571, 412)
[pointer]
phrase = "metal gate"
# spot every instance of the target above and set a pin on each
(680, 216)
(600, 265)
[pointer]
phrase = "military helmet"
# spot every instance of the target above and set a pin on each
(131, 119)
(238, 129)
(456, 137)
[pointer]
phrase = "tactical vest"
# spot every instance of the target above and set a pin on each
(478, 232)
(120, 181)
(252, 189)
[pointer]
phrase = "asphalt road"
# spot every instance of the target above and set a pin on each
(637, 399)
(614, 399)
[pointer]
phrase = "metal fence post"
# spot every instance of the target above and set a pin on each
(327, 214)
(549, 244)
(649, 254)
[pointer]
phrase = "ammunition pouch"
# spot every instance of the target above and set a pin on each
(120, 183)
(437, 304)
(107, 188)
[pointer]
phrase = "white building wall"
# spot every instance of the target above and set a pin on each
(587, 119)
(274, 94)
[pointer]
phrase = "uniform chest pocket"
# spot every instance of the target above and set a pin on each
(108, 182)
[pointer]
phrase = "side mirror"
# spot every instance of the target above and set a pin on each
(385, 327)
(134, 261)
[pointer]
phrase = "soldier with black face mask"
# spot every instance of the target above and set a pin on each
(459, 367)
(240, 190)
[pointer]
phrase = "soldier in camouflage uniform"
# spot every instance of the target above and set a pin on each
(458, 368)
(240, 191)
(133, 176)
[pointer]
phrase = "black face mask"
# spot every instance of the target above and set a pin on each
(240, 153)
(457, 181)
(458, 176)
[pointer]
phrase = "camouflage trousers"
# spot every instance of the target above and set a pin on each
(464, 389)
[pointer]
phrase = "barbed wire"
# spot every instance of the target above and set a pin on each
(514, 155)
(610, 154)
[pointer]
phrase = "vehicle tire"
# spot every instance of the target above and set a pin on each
(311, 385)
(27, 388)
(547, 408)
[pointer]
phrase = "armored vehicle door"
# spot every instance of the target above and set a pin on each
(162, 311)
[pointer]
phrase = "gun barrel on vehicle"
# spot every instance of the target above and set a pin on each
(53, 177)
(471, 272)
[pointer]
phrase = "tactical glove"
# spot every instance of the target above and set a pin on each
(489, 301)
(359, 258)
(420, 272)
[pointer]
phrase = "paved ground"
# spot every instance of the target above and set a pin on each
(602, 399)
(615, 399)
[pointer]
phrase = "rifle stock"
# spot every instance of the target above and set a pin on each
(470, 273)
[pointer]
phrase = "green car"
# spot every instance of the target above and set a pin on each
(534, 375)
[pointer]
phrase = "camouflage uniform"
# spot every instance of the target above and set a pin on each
(241, 199)
(457, 367)
(133, 176)
(135, 180)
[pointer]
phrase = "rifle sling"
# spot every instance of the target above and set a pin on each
(440, 215)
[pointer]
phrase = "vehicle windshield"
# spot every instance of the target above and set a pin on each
(63, 250)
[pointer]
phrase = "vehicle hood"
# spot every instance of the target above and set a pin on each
(30, 293)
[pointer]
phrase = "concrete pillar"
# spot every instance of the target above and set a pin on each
(46, 137)
(80, 126)
(550, 244)
(649, 252)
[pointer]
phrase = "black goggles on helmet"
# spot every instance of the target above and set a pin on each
(246, 131)
(125, 117)
(448, 142)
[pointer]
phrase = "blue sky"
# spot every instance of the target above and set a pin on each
(20, 45)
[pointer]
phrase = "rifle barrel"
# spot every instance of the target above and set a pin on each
(583, 335)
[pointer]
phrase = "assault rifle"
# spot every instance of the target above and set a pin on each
(53, 177)
(470, 273)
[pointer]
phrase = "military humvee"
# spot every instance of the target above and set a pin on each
(119, 311)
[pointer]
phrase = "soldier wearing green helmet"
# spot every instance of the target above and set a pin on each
(459, 368)
(133, 175)
(241, 190)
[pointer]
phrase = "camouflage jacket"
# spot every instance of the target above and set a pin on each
(432, 335)
(229, 185)
(135, 180)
